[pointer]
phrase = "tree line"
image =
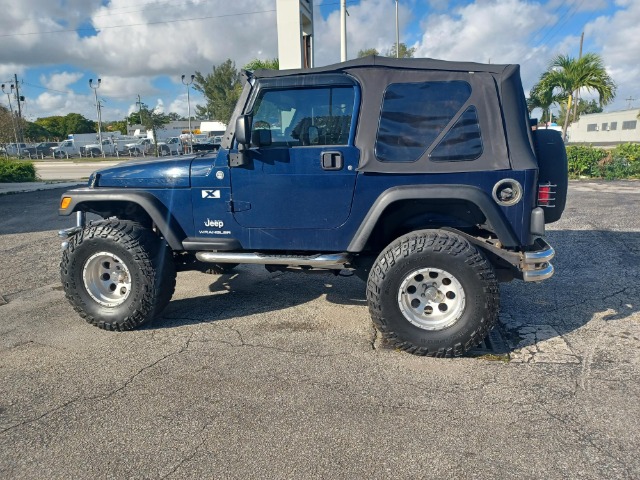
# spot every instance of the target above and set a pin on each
(221, 88)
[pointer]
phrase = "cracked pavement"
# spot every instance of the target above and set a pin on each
(259, 375)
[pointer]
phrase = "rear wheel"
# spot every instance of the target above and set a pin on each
(117, 274)
(432, 293)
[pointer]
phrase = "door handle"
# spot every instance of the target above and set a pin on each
(332, 161)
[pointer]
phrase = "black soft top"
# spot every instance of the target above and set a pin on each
(395, 63)
(497, 94)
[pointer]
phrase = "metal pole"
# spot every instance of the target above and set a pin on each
(15, 133)
(577, 99)
(95, 91)
(189, 109)
(343, 30)
(19, 108)
(397, 33)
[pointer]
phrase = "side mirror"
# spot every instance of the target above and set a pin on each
(243, 129)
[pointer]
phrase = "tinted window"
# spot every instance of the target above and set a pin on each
(592, 127)
(614, 125)
(462, 142)
(414, 114)
(310, 116)
(629, 125)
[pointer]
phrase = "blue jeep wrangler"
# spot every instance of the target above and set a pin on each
(424, 177)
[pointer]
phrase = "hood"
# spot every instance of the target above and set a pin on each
(169, 172)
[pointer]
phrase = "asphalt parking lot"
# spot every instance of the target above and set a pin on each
(260, 375)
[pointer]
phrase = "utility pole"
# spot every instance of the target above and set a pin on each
(577, 99)
(15, 132)
(397, 33)
(139, 103)
(343, 30)
(95, 91)
(18, 99)
(630, 99)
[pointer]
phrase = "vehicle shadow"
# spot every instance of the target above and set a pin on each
(597, 274)
(251, 290)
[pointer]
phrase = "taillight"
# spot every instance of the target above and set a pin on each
(546, 195)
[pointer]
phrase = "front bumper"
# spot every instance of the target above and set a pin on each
(535, 265)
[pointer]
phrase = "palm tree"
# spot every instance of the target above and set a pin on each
(543, 99)
(566, 75)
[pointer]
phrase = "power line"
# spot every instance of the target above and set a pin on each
(164, 22)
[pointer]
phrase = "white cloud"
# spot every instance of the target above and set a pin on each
(159, 108)
(369, 25)
(179, 105)
(51, 103)
(142, 48)
(60, 81)
(126, 87)
(616, 36)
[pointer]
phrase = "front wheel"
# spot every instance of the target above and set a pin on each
(432, 293)
(117, 274)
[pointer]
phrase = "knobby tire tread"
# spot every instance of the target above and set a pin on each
(152, 256)
(449, 244)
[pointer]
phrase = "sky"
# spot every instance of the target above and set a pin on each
(143, 47)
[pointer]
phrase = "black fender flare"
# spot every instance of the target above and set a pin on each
(435, 192)
(159, 213)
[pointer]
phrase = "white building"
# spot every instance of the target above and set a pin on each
(175, 129)
(295, 33)
(609, 128)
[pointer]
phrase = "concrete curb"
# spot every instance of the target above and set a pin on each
(7, 188)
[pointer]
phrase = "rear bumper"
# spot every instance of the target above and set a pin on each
(535, 265)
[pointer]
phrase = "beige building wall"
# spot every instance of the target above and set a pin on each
(607, 128)
(295, 33)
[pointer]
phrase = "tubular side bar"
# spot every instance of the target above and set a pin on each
(535, 265)
(330, 261)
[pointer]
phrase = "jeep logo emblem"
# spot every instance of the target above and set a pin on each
(214, 223)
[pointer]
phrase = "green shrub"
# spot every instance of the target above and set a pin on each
(585, 161)
(621, 162)
(17, 171)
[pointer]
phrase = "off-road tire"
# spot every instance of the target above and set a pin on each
(444, 251)
(552, 168)
(148, 259)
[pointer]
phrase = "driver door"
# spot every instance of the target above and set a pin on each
(303, 165)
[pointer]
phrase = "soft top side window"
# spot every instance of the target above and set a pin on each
(305, 116)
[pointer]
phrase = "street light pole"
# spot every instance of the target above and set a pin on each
(15, 132)
(343, 30)
(397, 33)
(187, 83)
(95, 91)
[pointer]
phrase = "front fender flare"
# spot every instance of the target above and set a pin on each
(159, 213)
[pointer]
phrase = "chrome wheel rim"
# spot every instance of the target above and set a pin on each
(431, 298)
(107, 279)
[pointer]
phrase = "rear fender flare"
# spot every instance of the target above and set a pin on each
(435, 192)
